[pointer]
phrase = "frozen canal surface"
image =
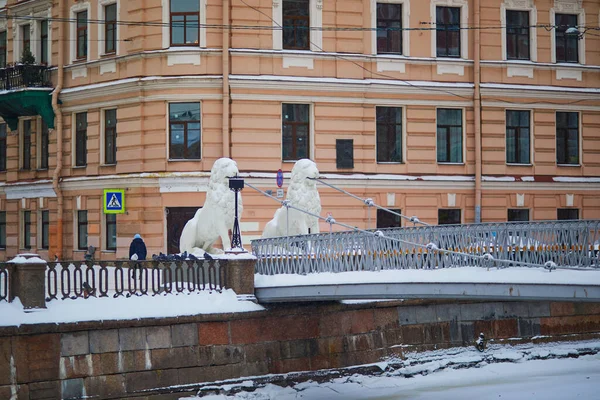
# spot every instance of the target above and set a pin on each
(501, 373)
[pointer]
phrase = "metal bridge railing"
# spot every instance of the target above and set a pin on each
(80, 279)
(564, 244)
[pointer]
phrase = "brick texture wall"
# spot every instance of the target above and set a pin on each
(123, 358)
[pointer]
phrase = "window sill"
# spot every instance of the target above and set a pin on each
(183, 159)
(518, 165)
(450, 163)
(42, 169)
(391, 162)
(79, 61)
(108, 55)
(108, 165)
(79, 166)
(108, 251)
(568, 165)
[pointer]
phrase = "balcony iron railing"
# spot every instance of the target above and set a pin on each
(25, 76)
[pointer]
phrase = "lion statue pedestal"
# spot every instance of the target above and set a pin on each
(303, 194)
(216, 218)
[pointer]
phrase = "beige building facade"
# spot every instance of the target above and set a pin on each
(456, 111)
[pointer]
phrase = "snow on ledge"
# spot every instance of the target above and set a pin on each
(122, 308)
(27, 259)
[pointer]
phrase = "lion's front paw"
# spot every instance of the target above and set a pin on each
(212, 250)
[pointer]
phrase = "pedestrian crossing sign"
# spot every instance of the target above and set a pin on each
(114, 201)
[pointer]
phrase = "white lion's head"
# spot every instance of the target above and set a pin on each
(222, 170)
(302, 170)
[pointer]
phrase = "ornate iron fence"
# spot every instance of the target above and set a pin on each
(4, 276)
(569, 244)
(24, 76)
(81, 279)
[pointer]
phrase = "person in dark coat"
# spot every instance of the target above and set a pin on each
(137, 247)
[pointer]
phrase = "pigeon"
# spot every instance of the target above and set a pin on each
(208, 256)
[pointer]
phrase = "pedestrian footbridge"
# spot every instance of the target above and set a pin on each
(551, 260)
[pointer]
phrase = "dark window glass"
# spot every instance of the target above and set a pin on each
(185, 20)
(81, 139)
(110, 28)
(27, 144)
(2, 147)
(296, 24)
(448, 216)
(82, 230)
(449, 135)
(389, 134)
(110, 136)
(45, 143)
(295, 128)
(517, 35)
(517, 137)
(111, 232)
(184, 122)
(388, 220)
(389, 28)
(3, 49)
(447, 26)
(567, 45)
(45, 229)
(567, 138)
(518, 215)
(344, 153)
(26, 37)
(567, 213)
(44, 42)
(82, 34)
(2, 229)
(26, 229)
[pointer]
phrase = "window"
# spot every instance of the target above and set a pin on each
(82, 230)
(389, 134)
(44, 143)
(296, 24)
(447, 31)
(567, 138)
(567, 213)
(2, 147)
(26, 161)
(388, 220)
(389, 28)
(82, 34)
(26, 34)
(111, 232)
(517, 35)
(184, 123)
(2, 229)
(567, 45)
(45, 229)
(44, 42)
(81, 139)
(295, 128)
(2, 49)
(185, 26)
(449, 135)
(517, 137)
(110, 136)
(518, 215)
(110, 28)
(26, 240)
(448, 216)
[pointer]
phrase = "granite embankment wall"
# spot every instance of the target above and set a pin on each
(140, 358)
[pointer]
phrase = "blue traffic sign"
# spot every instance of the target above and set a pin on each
(279, 178)
(114, 201)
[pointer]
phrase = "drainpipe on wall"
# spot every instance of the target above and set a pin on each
(226, 106)
(477, 111)
(58, 128)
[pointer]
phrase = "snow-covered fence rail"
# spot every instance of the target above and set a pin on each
(3, 282)
(74, 279)
(568, 244)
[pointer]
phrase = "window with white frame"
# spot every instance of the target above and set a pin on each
(82, 229)
(295, 127)
(519, 36)
(110, 226)
(26, 229)
(110, 28)
(389, 28)
(184, 23)
(567, 138)
(79, 31)
(80, 143)
(297, 17)
(389, 134)
(2, 49)
(2, 229)
(449, 135)
(44, 229)
(110, 136)
(43, 37)
(450, 39)
(25, 136)
(518, 136)
(567, 48)
(185, 140)
(42, 144)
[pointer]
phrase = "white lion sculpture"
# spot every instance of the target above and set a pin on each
(303, 194)
(216, 217)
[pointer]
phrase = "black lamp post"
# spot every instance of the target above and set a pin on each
(236, 185)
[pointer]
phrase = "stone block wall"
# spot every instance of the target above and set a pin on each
(126, 358)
